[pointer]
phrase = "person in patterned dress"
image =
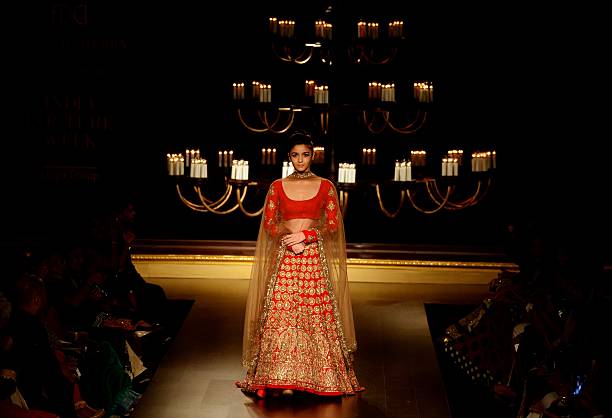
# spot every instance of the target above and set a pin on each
(298, 332)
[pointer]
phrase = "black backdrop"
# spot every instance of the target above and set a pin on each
(100, 91)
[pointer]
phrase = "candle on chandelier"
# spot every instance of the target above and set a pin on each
(319, 25)
(396, 29)
(327, 33)
(273, 155)
(361, 29)
(273, 25)
(263, 156)
(238, 91)
(225, 158)
(363, 156)
(255, 90)
(403, 172)
(234, 168)
(309, 88)
(269, 156)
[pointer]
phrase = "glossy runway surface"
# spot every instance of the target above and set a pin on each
(395, 361)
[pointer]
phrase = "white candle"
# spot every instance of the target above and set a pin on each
(444, 167)
(403, 172)
(396, 172)
(409, 174)
(205, 175)
(234, 168)
(245, 171)
(273, 155)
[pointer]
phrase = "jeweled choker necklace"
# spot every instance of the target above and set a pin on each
(298, 175)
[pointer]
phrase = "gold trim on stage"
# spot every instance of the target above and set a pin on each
(373, 262)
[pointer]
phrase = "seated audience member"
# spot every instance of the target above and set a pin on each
(46, 381)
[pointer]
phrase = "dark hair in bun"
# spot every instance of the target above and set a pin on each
(300, 138)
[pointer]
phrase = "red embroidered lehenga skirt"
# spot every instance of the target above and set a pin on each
(300, 346)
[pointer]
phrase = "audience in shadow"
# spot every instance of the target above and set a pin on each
(72, 324)
(539, 341)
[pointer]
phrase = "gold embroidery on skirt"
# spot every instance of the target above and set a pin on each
(299, 343)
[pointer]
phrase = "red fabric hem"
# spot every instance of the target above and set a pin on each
(302, 389)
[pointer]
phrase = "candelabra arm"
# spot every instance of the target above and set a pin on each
(437, 197)
(343, 201)
(382, 207)
(190, 205)
(324, 122)
(428, 212)
(205, 207)
(263, 117)
(215, 205)
(370, 57)
(241, 199)
(250, 128)
(410, 127)
(303, 57)
(369, 124)
(271, 127)
(432, 189)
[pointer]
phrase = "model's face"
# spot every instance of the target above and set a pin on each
(301, 157)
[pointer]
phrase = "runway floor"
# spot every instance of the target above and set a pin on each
(395, 361)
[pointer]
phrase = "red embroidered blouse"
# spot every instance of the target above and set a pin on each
(280, 208)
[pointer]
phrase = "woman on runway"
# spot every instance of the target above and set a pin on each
(298, 330)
